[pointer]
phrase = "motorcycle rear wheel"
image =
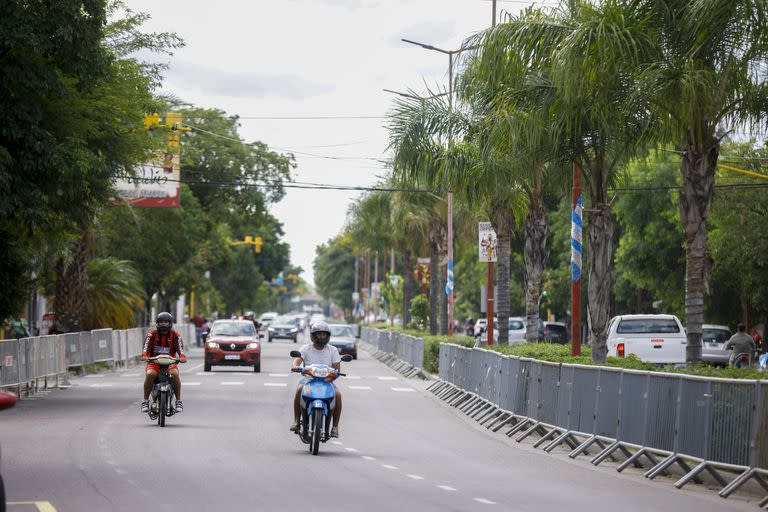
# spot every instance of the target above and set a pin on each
(317, 431)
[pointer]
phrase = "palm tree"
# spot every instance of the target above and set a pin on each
(114, 294)
(571, 56)
(703, 70)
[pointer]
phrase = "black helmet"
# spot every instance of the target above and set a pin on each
(164, 317)
(319, 327)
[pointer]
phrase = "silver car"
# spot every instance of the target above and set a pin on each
(713, 338)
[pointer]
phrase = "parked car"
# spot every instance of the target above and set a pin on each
(343, 338)
(282, 328)
(232, 342)
(653, 338)
(555, 332)
(265, 320)
(316, 317)
(516, 330)
(713, 339)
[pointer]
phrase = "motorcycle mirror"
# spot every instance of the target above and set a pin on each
(346, 358)
(295, 353)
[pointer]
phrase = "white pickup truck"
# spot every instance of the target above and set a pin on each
(652, 338)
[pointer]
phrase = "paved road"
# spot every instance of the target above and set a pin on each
(87, 448)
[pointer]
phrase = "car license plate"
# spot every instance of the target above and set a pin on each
(232, 356)
(713, 345)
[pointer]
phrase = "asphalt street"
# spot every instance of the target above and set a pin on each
(88, 448)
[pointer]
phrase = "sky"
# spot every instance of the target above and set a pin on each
(314, 58)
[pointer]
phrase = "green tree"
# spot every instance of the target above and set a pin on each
(114, 294)
(334, 269)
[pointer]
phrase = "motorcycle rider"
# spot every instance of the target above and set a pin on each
(250, 315)
(741, 343)
(163, 340)
(317, 352)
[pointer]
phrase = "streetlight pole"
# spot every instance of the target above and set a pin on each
(449, 272)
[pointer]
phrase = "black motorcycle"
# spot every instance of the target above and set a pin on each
(161, 399)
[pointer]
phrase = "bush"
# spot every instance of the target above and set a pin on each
(419, 313)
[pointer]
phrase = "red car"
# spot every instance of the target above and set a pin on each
(232, 343)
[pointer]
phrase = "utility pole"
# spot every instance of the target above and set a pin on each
(493, 22)
(577, 223)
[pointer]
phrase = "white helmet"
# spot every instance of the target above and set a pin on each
(320, 327)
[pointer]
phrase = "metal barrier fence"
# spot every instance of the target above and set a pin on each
(720, 424)
(404, 350)
(25, 361)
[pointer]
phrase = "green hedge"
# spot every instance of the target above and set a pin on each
(432, 349)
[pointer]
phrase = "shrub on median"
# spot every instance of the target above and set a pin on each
(432, 349)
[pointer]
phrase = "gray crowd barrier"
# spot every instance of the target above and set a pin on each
(27, 361)
(655, 420)
(403, 352)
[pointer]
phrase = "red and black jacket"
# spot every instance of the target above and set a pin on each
(158, 343)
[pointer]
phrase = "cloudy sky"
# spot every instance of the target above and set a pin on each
(313, 58)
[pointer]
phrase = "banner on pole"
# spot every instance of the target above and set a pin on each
(577, 215)
(152, 185)
(487, 242)
(449, 278)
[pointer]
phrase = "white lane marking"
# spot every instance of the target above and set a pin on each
(354, 377)
(204, 373)
(352, 449)
(193, 368)
(101, 385)
(368, 388)
(278, 375)
(230, 383)
(132, 375)
(96, 376)
(239, 373)
(368, 457)
(387, 378)
(190, 383)
(337, 442)
(416, 477)
(388, 466)
(446, 487)
(276, 384)
(404, 390)
(483, 500)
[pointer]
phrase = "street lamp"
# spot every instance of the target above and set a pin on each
(450, 278)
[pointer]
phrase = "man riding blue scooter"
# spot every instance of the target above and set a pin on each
(317, 352)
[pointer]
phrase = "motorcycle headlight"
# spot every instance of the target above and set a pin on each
(253, 345)
(320, 373)
(213, 345)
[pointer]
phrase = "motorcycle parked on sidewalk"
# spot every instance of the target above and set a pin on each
(162, 399)
(317, 402)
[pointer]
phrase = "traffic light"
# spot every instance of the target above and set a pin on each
(257, 243)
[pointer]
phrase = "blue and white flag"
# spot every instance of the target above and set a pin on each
(577, 214)
(449, 280)
(280, 278)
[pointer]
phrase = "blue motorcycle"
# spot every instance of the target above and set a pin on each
(317, 400)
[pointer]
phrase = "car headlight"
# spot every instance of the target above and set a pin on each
(253, 345)
(271, 329)
(294, 330)
(213, 345)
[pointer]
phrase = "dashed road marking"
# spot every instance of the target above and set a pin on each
(337, 442)
(446, 487)
(96, 376)
(278, 375)
(416, 477)
(276, 384)
(353, 377)
(204, 373)
(368, 457)
(239, 373)
(389, 466)
(367, 388)
(230, 383)
(42, 506)
(485, 501)
(352, 449)
(193, 368)
(191, 384)
(404, 390)
(101, 385)
(387, 378)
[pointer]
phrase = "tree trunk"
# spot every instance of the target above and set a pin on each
(409, 284)
(71, 283)
(695, 202)
(536, 230)
(434, 251)
(600, 228)
(502, 286)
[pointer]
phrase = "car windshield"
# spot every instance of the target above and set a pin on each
(342, 330)
(647, 326)
(516, 325)
(556, 328)
(715, 335)
(232, 329)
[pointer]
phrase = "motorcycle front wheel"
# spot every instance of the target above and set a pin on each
(317, 431)
(163, 408)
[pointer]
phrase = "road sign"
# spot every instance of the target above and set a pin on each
(486, 242)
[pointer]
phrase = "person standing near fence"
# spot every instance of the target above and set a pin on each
(740, 343)
(198, 322)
